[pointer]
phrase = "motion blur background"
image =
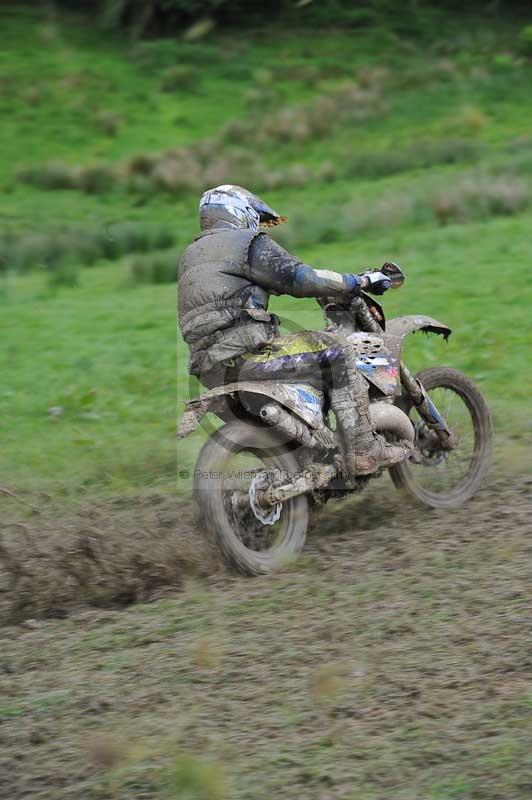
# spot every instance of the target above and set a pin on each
(384, 130)
(382, 134)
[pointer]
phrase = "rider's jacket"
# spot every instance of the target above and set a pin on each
(225, 279)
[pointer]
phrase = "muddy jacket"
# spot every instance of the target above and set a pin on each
(225, 279)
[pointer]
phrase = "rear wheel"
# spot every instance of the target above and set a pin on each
(446, 479)
(234, 459)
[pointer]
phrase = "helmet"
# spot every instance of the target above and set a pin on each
(230, 206)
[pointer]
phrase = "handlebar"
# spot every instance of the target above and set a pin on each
(355, 311)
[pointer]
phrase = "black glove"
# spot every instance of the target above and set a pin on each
(375, 281)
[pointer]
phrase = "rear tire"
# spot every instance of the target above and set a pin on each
(405, 475)
(219, 519)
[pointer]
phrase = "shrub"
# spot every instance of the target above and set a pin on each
(506, 195)
(420, 155)
(179, 77)
(140, 164)
(480, 197)
(298, 175)
(327, 172)
(504, 62)
(158, 267)
(373, 77)
(522, 143)
(82, 247)
(263, 78)
(56, 175)
(475, 197)
(177, 175)
(525, 40)
(51, 175)
(63, 275)
(133, 237)
(259, 98)
(447, 206)
(109, 122)
(95, 178)
(468, 120)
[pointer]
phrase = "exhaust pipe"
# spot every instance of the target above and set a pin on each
(386, 418)
(295, 430)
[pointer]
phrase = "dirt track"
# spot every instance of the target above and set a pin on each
(394, 660)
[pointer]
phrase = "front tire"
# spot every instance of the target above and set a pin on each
(446, 480)
(242, 540)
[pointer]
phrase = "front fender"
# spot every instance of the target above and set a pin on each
(399, 327)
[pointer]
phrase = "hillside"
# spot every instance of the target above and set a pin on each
(375, 147)
(392, 660)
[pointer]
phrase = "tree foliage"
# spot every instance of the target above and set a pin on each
(163, 16)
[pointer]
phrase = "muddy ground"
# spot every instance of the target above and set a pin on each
(394, 660)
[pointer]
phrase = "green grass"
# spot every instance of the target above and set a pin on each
(104, 349)
(105, 354)
(390, 661)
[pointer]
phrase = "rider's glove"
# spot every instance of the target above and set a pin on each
(355, 283)
(375, 282)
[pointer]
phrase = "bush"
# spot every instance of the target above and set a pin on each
(479, 198)
(54, 175)
(109, 122)
(57, 250)
(420, 155)
(179, 77)
(467, 121)
(95, 178)
(133, 237)
(176, 174)
(51, 175)
(473, 198)
(63, 275)
(525, 40)
(141, 164)
(153, 268)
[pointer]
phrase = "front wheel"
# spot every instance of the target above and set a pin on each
(238, 454)
(445, 479)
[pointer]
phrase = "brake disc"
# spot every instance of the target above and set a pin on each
(269, 515)
(431, 453)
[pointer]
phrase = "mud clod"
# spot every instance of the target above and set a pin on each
(111, 555)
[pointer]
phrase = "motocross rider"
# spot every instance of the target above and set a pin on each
(225, 278)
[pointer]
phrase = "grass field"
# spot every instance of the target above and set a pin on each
(103, 349)
(392, 660)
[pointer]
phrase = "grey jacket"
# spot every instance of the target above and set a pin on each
(225, 279)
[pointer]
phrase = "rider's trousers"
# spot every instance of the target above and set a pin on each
(319, 359)
(303, 357)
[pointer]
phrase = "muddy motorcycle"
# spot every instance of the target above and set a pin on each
(277, 454)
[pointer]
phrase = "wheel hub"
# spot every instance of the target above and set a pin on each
(429, 446)
(267, 515)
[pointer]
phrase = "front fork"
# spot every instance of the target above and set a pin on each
(426, 409)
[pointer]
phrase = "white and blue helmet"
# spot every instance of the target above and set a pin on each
(230, 206)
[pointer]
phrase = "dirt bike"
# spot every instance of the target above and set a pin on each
(277, 455)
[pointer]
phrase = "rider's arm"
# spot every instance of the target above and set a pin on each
(273, 268)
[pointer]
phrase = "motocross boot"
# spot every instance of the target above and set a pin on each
(363, 450)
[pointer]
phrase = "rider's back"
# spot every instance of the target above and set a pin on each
(214, 283)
